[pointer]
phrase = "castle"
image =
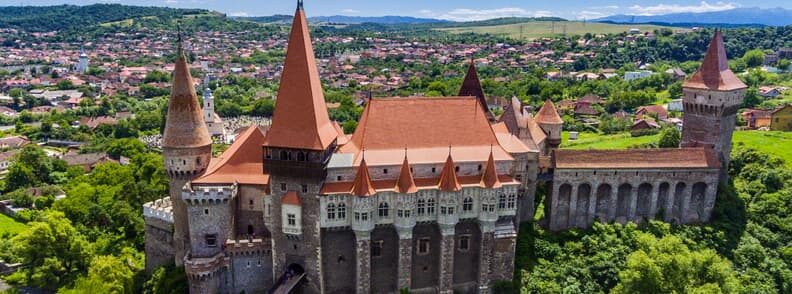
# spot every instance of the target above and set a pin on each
(425, 196)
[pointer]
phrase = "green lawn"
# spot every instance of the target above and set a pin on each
(597, 141)
(541, 29)
(11, 226)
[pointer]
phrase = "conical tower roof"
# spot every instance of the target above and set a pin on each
(489, 179)
(300, 119)
(406, 183)
(471, 86)
(714, 73)
(184, 126)
(448, 178)
(548, 114)
(362, 186)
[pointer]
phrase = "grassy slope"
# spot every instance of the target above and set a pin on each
(776, 143)
(539, 29)
(9, 225)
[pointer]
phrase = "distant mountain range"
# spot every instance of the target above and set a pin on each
(737, 16)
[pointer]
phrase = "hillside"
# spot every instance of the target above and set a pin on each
(540, 29)
(743, 16)
(377, 19)
(66, 17)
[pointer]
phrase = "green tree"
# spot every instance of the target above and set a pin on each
(754, 58)
(669, 138)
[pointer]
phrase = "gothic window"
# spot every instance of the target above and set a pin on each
(443, 210)
(512, 201)
(364, 216)
(341, 211)
(430, 206)
(384, 210)
(211, 240)
(421, 207)
(357, 216)
(331, 211)
(423, 246)
(467, 204)
(300, 156)
(291, 219)
(502, 201)
(376, 248)
(464, 243)
(404, 213)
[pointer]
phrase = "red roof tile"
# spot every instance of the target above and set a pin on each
(489, 178)
(448, 178)
(471, 86)
(291, 198)
(714, 73)
(406, 184)
(684, 158)
(362, 185)
(548, 114)
(185, 126)
(241, 163)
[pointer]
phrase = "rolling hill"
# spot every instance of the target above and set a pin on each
(541, 29)
(741, 16)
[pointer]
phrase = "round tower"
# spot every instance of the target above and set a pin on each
(551, 123)
(186, 146)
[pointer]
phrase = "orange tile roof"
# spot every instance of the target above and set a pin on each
(362, 185)
(421, 183)
(510, 142)
(426, 126)
(184, 126)
(714, 73)
(292, 198)
(406, 184)
(471, 86)
(489, 178)
(448, 178)
(684, 158)
(548, 114)
(241, 163)
(300, 119)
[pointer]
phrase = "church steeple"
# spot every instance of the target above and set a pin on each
(300, 120)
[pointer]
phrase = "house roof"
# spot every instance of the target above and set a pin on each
(426, 127)
(684, 158)
(332, 188)
(241, 163)
(714, 73)
(300, 119)
(548, 114)
(184, 127)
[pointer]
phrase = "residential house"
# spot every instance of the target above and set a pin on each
(13, 142)
(675, 105)
(87, 161)
(782, 119)
(676, 73)
(769, 92)
(644, 124)
(658, 110)
(756, 118)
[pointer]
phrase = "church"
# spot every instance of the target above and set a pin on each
(425, 196)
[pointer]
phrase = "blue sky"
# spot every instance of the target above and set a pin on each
(459, 10)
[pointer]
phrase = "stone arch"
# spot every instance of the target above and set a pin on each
(679, 198)
(604, 192)
(562, 207)
(581, 216)
(644, 207)
(623, 203)
(662, 199)
(698, 200)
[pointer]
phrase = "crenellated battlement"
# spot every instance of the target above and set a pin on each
(161, 209)
(248, 247)
(205, 268)
(209, 194)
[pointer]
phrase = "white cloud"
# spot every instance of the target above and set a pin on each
(171, 1)
(350, 11)
(425, 11)
(465, 14)
(704, 6)
(239, 14)
(587, 14)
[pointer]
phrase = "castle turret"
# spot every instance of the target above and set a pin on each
(297, 149)
(711, 100)
(551, 123)
(471, 86)
(186, 147)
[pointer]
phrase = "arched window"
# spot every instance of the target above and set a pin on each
(467, 204)
(284, 155)
(341, 211)
(430, 206)
(512, 201)
(502, 201)
(331, 211)
(421, 206)
(300, 156)
(384, 209)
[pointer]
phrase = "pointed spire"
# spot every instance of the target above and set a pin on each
(406, 184)
(548, 114)
(184, 126)
(448, 178)
(471, 86)
(300, 120)
(299, 4)
(362, 186)
(489, 179)
(714, 73)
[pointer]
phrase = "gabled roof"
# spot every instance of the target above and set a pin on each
(300, 119)
(362, 185)
(671, 158)
(184, 126)
(471, 86)
(489, 179)
(241, 163)
(291, 198)
(406, 183)
(448, 178)
(714, 73)
(548, 114)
